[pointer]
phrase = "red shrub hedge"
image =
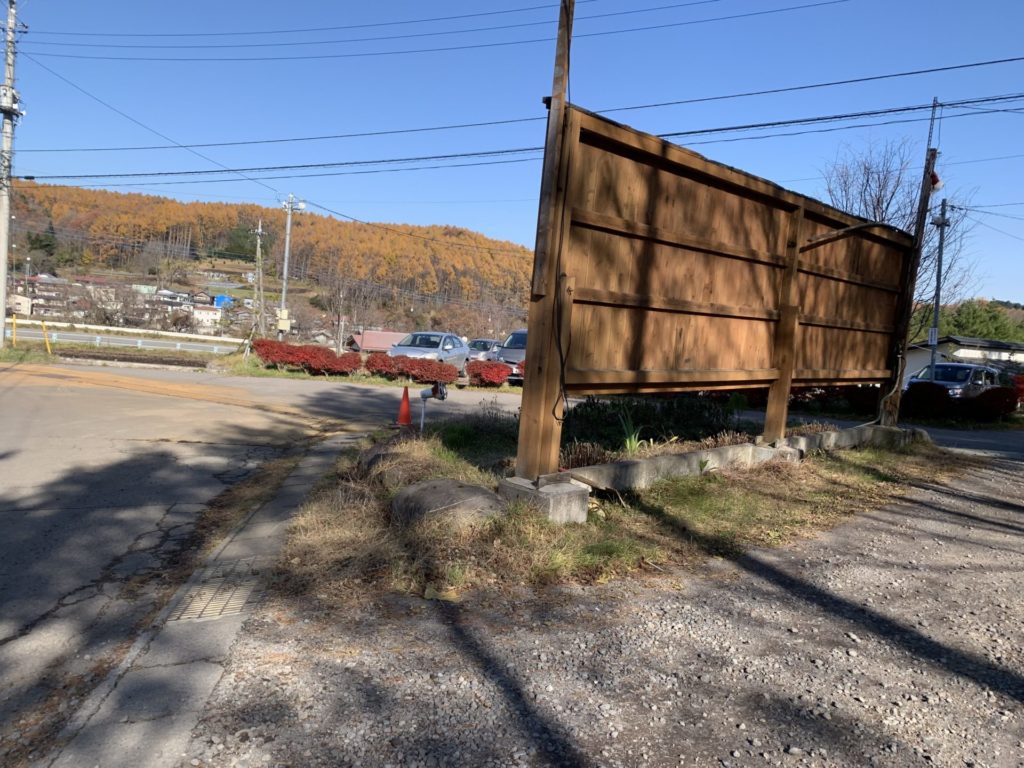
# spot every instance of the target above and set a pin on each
(487, 374)
(992, 404)
(379, 364)
(415, 368)
(311, 358)
(426, 371)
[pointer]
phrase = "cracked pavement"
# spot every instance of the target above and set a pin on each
(100, 490)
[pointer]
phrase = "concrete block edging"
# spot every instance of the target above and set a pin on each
(638, 474)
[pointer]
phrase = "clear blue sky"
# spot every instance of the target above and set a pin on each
(196, 101)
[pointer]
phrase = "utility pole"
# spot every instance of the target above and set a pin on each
(260, 320)
(10, 113)
(283, 322)
(933, 333)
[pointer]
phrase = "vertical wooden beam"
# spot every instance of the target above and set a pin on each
(889, 407)
(784, 357)
(540, 416)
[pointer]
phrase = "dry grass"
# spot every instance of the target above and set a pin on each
(345, 549)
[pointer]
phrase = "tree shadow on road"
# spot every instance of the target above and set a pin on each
(962, 663)
(90, 556)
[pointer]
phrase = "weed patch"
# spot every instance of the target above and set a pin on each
(344, 546)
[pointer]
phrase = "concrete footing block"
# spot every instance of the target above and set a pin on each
(560, 502)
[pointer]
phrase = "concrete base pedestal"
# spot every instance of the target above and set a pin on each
(561, 502)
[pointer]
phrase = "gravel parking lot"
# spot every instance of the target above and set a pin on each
(894, 640)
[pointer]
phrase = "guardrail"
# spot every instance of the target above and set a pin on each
(134, 331)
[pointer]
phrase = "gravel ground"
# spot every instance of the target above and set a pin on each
(895, 640)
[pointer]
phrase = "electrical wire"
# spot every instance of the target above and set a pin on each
(442, 49)
(305, 29)
(139, 123)
(411, 35)
(480, 124)
(297, 167)
(524, 150)
(995, 229)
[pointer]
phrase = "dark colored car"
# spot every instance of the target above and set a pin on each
(962, 380)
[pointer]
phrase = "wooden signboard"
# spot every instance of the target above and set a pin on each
(658, 270)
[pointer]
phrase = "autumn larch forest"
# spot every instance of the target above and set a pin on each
(379, 275)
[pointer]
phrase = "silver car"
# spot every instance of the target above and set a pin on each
(484, 349)
(513, 352)
(433, 345)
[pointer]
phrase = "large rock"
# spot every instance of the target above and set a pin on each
(458, 503)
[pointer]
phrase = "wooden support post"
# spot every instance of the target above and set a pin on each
(889, 408)
(540, 416)
(785, 335)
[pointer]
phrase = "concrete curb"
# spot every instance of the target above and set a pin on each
(639, 474)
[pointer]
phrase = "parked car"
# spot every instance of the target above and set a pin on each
(513, 352)
(433, 345)
(961, 380)
(484, 349)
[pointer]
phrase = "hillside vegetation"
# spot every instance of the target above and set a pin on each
(68, 230)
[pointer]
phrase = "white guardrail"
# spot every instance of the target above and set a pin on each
(133, 331)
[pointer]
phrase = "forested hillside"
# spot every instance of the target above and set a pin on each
(71, 230)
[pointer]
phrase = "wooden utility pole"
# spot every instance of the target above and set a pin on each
(10, 113)
(539, 423)
(261, 324)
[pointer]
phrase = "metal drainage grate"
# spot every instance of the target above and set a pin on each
(225, 589)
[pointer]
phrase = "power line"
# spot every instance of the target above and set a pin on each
(139, 123)
(305, 29)
(995, 229)
(657, 105)
(380, 38)
(443, 49)
(990, 213)
(523, 150)
(309, 175)
(298, 167)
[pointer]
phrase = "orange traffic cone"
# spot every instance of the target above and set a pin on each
(404, 414)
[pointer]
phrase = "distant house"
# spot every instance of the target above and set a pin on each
(964, 349)
(374, 341)
(206, 317)
(202, 297)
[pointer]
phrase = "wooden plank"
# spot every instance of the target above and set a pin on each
(617, 299)
(600, 131)
(847, 277)
(620, 226)
(845, 325)
(575, 378)
(665, 388)
(827, 374)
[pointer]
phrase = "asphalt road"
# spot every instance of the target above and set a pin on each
(109, 340)
(103, 470)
